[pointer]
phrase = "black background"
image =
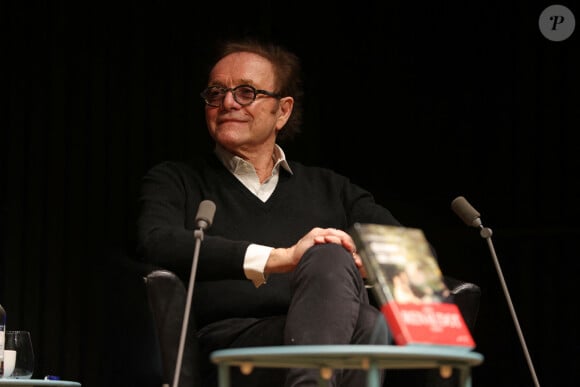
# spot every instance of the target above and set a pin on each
(417, 102)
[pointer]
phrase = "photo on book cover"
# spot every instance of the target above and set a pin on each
(406, 279)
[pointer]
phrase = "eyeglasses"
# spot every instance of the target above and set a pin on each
(243, 94)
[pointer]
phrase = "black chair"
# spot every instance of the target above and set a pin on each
(162, 296)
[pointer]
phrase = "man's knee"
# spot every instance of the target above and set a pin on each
(328, 256)
(328, 267)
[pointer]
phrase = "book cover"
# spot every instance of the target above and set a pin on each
(408, 284)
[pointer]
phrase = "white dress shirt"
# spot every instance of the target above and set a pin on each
(256, 255)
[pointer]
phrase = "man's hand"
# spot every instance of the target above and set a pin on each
(283, 260)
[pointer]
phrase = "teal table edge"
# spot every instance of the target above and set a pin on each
(37, 382)
(372, 358)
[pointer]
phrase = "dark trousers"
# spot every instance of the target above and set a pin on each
(329, 305)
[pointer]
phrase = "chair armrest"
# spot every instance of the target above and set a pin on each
(466, 296)
(167, 295)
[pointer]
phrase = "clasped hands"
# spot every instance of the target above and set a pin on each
(283, 260)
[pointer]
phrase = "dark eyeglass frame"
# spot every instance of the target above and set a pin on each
(224, 90)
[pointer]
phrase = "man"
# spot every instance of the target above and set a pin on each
(277, 266)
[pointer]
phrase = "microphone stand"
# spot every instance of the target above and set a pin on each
(198, 234)
(485, 233)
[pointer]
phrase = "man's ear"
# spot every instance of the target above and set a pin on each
(286, 104)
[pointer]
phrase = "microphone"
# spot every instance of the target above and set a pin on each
(203, 220)
(471, 217)
(205, 214)
(466, 212)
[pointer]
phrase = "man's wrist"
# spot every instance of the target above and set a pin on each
(255, 262)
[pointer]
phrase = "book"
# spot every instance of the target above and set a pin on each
(408, 284)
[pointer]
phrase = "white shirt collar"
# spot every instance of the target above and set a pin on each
(245, 172)
(237, 165)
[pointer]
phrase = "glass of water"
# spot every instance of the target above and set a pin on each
(21, 342)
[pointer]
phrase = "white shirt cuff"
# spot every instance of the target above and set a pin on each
(254, 263)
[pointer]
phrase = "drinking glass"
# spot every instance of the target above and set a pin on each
(20, 342)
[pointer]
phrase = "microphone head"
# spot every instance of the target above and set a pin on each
(466, 212)
(205, 214)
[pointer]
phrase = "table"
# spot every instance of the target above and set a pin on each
(37, 382)
(372, 358)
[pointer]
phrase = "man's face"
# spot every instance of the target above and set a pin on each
(242, 129)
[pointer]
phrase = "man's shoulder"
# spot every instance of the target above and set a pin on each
(313, 170)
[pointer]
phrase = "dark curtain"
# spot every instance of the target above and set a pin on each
(417, 102)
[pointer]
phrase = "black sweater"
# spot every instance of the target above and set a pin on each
(310, 197)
